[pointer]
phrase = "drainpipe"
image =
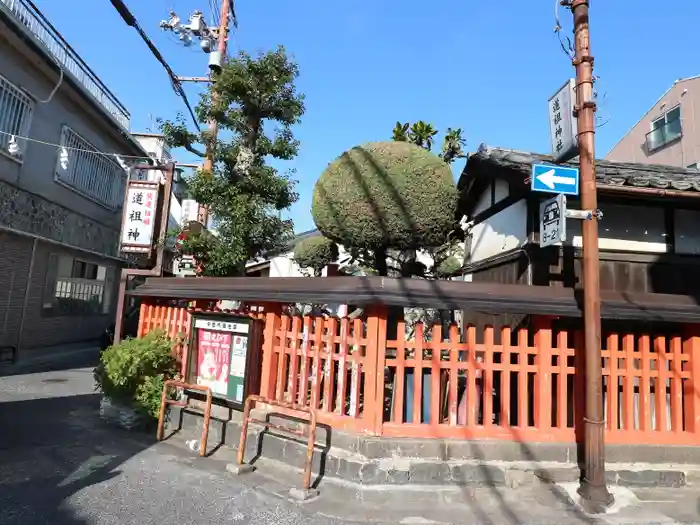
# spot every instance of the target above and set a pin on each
(27, 290)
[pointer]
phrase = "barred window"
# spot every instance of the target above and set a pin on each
(95, 176)
(16, 109)
(74, 286)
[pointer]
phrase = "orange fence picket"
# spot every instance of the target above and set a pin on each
(487, 383)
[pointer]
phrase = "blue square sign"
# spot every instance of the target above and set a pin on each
(554, 179)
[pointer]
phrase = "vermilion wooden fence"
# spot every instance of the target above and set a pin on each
(490, 383)
(175, 321)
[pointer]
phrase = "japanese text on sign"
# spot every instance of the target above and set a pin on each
(226, 326)
(214, 360)
(562, 124)
(139, 216)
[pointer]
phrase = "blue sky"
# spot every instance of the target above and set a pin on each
(487, 67)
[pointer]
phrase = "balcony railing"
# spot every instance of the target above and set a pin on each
(27, 14)
(659, 137)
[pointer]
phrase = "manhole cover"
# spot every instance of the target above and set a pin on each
(55, 380)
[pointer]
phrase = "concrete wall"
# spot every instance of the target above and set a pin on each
(26, 287)
(35, 173)
(683, 152)
(64, 221)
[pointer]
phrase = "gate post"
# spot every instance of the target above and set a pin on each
(269, 357)
(374, 368)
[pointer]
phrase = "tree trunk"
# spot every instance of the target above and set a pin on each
(394, 313)
(380, 262)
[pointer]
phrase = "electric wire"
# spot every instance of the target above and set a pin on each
(214, 13)
(568, 49)
(131, 21)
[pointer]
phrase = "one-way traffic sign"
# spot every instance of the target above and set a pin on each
(554, 179)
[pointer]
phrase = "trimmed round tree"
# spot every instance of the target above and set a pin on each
(386, 195)
(315, 253)
(448, 267)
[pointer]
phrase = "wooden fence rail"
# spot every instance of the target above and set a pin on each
(488, 383)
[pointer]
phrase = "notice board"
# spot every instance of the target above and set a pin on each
(225, 355)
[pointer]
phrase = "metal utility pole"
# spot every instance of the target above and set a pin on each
(222, 48)
(593, 488)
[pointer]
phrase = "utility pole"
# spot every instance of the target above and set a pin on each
(199, 29)
(593, 489)
(222, 48)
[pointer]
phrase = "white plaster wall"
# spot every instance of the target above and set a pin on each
(500, 233)
(284, 266)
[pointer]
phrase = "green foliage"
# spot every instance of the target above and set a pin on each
(255, 103)
(448, 267)
(315, 253)
(133, 371)
(423, 135)
(386, 195)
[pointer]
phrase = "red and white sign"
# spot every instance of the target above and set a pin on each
(139, 217)
(214, 354)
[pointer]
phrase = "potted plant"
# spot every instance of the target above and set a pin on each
(131, 375)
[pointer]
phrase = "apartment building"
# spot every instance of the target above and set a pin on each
(61, 188)
(669, 133)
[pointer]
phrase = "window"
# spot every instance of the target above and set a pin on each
(625, 228)
(74, 286)
(16, 109)
(665, 129)
(95, 176)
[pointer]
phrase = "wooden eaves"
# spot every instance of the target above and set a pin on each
(364, 291)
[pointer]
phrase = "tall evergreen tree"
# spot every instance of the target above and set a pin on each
(255, 102)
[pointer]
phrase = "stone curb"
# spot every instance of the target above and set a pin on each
(369, 472)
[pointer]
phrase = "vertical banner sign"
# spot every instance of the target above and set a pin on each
(222, 354)
(138, 225)
(563, 127)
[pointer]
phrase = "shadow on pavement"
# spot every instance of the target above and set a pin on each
(50, 450)
(85, 358)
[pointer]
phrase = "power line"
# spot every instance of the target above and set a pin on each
(131, 21)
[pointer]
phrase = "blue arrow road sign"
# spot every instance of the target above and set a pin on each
(554, 179)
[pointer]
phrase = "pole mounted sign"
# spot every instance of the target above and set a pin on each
(139, 220)
(554, 179)
(553, 221)
(563, 128)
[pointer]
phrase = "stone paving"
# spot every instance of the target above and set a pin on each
(60, 465)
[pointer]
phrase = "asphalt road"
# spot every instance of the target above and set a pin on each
(60, 465)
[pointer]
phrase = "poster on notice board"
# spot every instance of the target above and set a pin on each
(214, 360)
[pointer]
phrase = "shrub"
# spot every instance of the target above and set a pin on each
(316, 253)
(133, 371)
(386, 195)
